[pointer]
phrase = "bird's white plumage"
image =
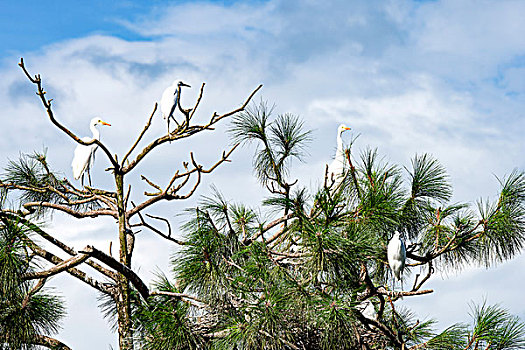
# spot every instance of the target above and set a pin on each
(170, 98)
(337, 168)
(397, 255)
(84, 156)
(168, 102)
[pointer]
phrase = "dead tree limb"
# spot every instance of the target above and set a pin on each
(50, 343)
(66, 209)
(157, 231)
(35, 228)
(170, 192)
(37, 80)
(81, 275)
(187, 131)
(63, 266)
(120, 268)
(146, 127)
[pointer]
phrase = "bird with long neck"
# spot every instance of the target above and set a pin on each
(170, 100)
(336, 169)
(85, 155)
(397, 254)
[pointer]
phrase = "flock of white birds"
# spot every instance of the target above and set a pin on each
(85, 156)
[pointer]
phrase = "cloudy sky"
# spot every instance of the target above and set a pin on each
(441, 77)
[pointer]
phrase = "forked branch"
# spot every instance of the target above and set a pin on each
(185, 132)
(37, 80)
(170, 192)
(52, 258)
(157, 231)
(64, 265)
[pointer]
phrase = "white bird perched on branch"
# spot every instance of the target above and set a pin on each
(336, 169)
(171, 100)
(85, 155)
(397, 255)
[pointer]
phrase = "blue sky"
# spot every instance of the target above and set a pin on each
(29, 25)
(442, 77)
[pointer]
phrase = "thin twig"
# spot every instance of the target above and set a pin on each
(157, 231)
(146, 127)
(186, 132)
(47, 104)
(197, 103)
(168, 194)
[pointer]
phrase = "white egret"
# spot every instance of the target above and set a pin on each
(170, 101)
(85, 155)
(337, 167)
(397, 255)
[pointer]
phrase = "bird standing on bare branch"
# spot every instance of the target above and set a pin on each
(85, 155)
(170, 100)
(337, 167)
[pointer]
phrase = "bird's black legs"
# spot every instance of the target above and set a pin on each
(89, 177)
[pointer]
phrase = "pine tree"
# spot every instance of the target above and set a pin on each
(308, 270)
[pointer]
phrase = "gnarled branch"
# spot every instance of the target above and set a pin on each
(169, 193)
(185, 132)
(37, 80)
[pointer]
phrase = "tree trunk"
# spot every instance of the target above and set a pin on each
(125, 332)
(123, 301)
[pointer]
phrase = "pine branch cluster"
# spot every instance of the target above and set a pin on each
(304, 282)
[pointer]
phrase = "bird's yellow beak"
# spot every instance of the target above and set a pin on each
(104, 123)
(347, 128)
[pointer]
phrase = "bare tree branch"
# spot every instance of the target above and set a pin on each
(120, 268)
(66, 209)
(103, 287)
(47, 104)
(185, 132)
(35, 228)
(64, 265)
(157, 231)
(169, 193)
(393, 294)
(194, 109)
(33, 291)
(152, 185)
(50, 343)
(429, 273)
(146, 127)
